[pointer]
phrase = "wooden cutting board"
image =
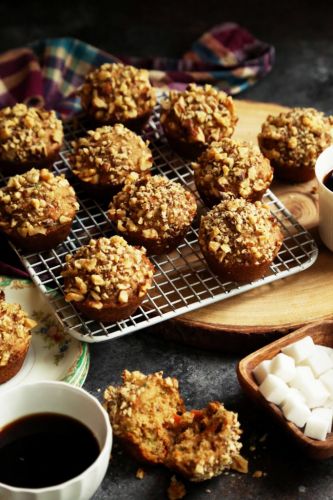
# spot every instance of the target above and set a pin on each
(248, 320)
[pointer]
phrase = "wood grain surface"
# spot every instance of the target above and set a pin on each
(248, 320)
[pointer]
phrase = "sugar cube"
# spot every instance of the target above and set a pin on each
(327, 380)
(262, 370)
(316, 428)
(300, 350)
(303, 376)
(319, 362)
(283, 366)
(297, 412)
(326, 414)
(324, 348)
(273, 389)
(315, 393)
(293, 395)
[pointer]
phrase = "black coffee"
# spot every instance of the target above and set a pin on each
(45, 449)
(328, 180)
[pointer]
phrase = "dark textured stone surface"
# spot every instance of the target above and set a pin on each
(303, 75)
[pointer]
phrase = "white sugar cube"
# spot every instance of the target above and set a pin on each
(326, 414)
(262, 370)
(327, 380)
(319, 362)
(293, 395)
(324, 348)
(300, 350)
(283, 366)
(303, 376)
(315, 393)
(273, 389)
(316, 428)
(297, 412)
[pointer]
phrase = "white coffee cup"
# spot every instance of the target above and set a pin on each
(65, 399)
(324, 165)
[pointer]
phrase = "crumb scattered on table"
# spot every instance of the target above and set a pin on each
(140, 473)
(258, 474)
(176, 490)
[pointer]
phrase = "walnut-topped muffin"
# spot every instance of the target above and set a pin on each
(140, 410)
(37, 209)
(107, 279)
(108, 156)
(154, 212)
(117, 93)
(293, 140)
(240, 239)
(196, 117)
(231, 168)
(15, 337)
(29, 137)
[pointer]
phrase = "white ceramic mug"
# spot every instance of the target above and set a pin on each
(324, 165)
(65, 399)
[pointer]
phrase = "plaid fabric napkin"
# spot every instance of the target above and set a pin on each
(49, 71)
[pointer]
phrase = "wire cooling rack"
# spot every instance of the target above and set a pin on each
(182, 281)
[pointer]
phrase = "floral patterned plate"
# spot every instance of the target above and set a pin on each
(53, 355)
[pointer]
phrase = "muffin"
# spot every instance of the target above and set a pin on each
(196, 117)
(116, 93)
(148, 416)
(154, 212)
(107, 156)
(205, 443)
(231, 169)
(239, 239)
(139, 411)
(107, 279)
(293, 140)
(29, 137)
(15, 337)
(37, 209)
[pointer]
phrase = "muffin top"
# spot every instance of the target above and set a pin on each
(107, 271)
(155, 207)
(199, 114)
(239, 232)
(15, 329)
(232, 168)
(28, 134)
(116, 92)
(34, 202)
(108, 155)
(295, 138)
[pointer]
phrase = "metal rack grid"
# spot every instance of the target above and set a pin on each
(182, 281)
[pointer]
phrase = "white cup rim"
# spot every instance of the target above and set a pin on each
(107, 441)
(325, 156)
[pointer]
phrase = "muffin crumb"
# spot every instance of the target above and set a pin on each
(176, 489)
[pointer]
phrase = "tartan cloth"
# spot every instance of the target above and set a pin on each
(49, 71)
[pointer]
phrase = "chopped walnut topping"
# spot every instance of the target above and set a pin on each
(36, 201)
(107, 270)
(237, 231)
(28, 134)
(109, 155)
(232, 168)
(116, 93)
(155, 207)
(296, 138)
(15, 329)
(199, 114)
